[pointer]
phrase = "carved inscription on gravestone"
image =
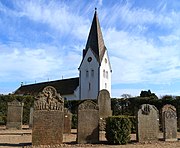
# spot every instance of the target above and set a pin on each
(148, 123)
(48, 118)
(14, 115)
(88, 121)
(169, 119)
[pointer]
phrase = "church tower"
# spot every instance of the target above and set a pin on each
(95, 69)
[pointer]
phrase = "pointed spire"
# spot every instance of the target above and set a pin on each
(95, 39)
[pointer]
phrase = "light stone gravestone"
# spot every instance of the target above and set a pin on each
(88, 122)
(148, 123)
(48, 118)
(67, 121)
(104, 103)
(14, 115)
(31, 117)
(169, 120)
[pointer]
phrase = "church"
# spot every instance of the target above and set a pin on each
(94, 71)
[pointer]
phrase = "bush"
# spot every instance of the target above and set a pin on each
(118, 129)
(133, 123)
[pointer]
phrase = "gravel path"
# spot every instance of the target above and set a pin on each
(22, 138)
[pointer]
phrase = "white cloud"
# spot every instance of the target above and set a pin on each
(24, 64)
(118, 92)
(141, 60)
(57, 15)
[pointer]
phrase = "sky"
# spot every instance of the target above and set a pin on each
(42, 40)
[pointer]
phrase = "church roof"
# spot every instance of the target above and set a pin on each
(95, 39)
(64, 87)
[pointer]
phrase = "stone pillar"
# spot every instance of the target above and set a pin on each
(14, 115)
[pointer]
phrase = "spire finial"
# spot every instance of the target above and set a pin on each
(95, 9)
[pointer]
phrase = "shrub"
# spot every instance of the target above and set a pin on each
(133, 123)
(118, 129)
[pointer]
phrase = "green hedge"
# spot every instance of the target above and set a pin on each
(4, 99)
(118, 129)
(133, 123)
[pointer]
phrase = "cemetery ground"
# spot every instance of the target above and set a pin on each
(23, 138)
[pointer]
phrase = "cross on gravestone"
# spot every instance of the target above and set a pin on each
(88, 122)
(169, 120)
(48, 118)
(14, 115)
(147, 123)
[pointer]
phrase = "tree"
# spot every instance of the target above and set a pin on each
(148, 94)
(126, 96)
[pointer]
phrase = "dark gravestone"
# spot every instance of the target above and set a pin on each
(14, 115)
(104, 103)
(48, 118)
(67, 121)
(148, 123)
(31, 117)
(169, 120)
(88, 122)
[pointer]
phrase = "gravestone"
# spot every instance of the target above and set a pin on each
(67, 121)
(31, 117)
(169, 120)
(88, 122)
(14, 115)
(148, 123)
(48, 118)
(104, 103)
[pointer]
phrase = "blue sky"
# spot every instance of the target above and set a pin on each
(43, 39)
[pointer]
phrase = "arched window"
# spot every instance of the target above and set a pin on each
(104, 73)
(92, 73)
(107, 74)
(89, 86)
(87, 73)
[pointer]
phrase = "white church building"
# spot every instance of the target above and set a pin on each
(94, 71)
